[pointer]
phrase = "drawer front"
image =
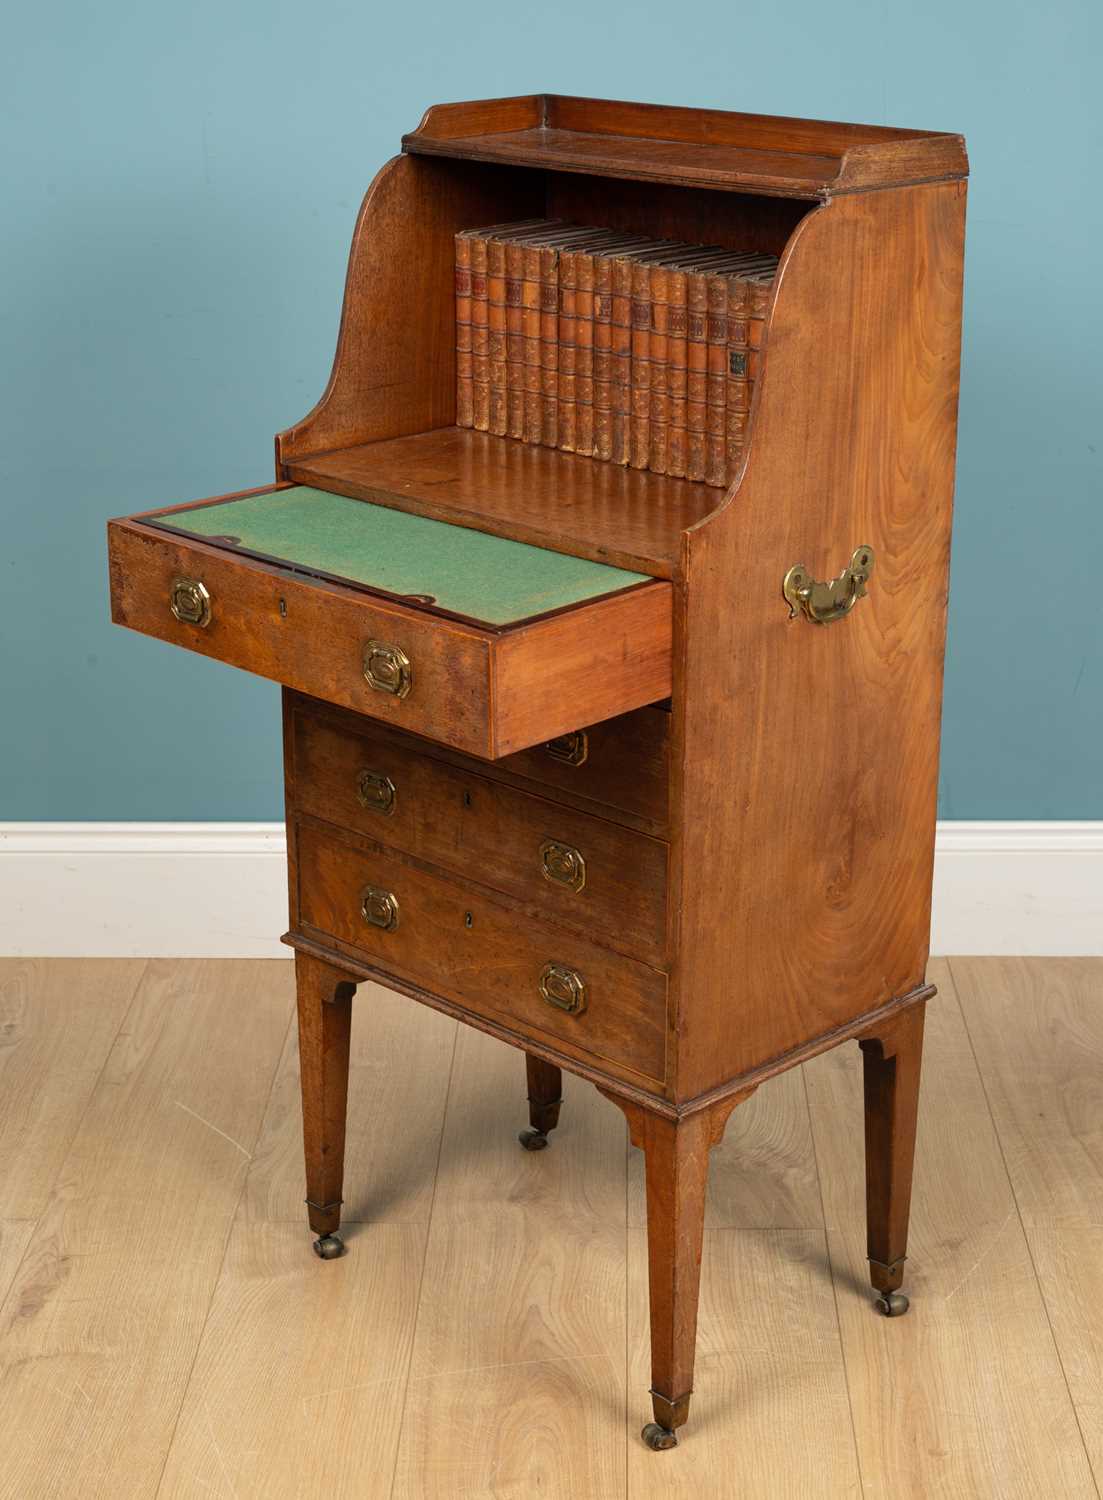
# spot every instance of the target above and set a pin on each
(489, 693)
(622, 764)
(310, 636)
(603, 880)
(482, 954)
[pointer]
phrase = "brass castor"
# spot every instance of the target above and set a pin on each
(658, 1438)
(533, 1140)
(329, 1247)
(892, 1304)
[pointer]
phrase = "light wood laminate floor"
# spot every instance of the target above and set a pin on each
(165, 1330)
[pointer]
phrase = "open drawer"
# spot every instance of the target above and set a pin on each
(473, 640)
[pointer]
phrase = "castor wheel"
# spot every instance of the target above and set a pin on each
(533, 1140)
(329, 1247)
(892, 1304)
(658, 1438)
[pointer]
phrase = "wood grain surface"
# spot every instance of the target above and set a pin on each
(514, 1361)
(807, 754)
(630, 518)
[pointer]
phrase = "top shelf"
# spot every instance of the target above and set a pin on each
(717, 149)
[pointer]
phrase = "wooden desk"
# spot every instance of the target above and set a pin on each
(635, 774)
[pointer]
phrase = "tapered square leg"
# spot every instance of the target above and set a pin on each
(545, 1094)
(325, 1013)
(676, 1154)
(892, 1061)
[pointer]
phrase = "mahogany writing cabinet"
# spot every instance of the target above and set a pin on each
(635, 774)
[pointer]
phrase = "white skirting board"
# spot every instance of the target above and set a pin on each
(219, 890)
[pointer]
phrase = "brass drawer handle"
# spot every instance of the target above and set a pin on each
(388, 669)
(571, 749)
(563, 864)
(379, 908)
(564, 988)
(825, 602)
(190, 602)
(376, 792)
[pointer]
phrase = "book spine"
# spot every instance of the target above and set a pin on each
(566, 433)
(639, 448)
(659, 444)
(515, 342)
(621, 358)
(480, 347)
(530, 327)
(549, 346)
(465, 394)
(716, 467)
(759, 293)
(739, 402)
(496, 336)
(676, 373)
(584, 352)
(603, 357)
(696, 372)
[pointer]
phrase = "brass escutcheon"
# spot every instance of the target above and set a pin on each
(190, 602)
(825, 602)
(387, 669)
(379, 908)
(572, 749)
(376, 792)
(563, 864)
(564, 988)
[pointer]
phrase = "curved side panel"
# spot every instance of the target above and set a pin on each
(806, 754)
(394, 372)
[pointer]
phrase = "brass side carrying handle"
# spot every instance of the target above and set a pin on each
(388, 669)
(379, 908)
(825, 602)
(563, 864)
(572, 749)
(190, 602)
(376, 792)
(564, 988)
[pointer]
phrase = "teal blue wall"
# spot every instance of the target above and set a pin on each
(180, 188)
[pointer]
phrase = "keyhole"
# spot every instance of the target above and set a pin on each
(283, 609)
(468, 919)
(467, 803)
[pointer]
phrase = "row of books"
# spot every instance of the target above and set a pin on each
(621, 347)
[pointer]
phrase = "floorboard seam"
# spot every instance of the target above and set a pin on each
(834, 1287)
(1022, 1226)
(424, 1256)
(231, 1225)
(76, 1130)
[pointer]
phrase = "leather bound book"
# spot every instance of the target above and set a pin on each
(639, 394)
(567, 389)
(555, 245)
(707, 355)
(465, 395)
(480, 345)
(644, 271)
(659, 393)
(716, 385)
(745, 288)
(575, 338)
(602, 341)
(675, 372)
(497, 314)
(540, 329)
(620, 364)
(549, 346)
(760, 285)
(696, 371)
(530, 328)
